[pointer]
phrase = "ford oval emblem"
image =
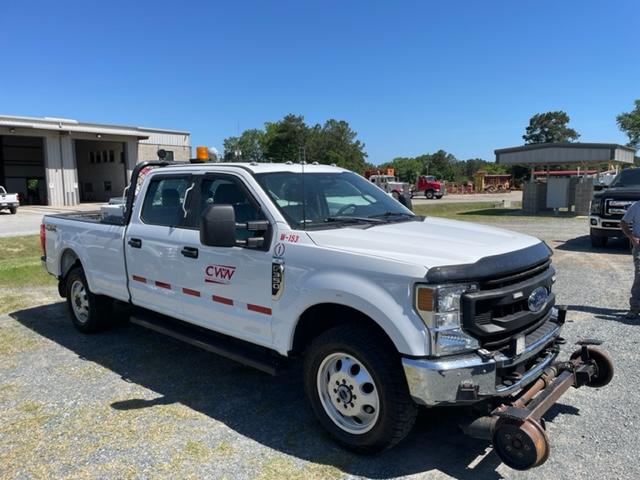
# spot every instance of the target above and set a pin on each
(538, 299)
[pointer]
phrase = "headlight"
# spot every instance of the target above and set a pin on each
(595, 205)
(439, 308)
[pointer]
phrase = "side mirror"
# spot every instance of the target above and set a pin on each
(218, 226)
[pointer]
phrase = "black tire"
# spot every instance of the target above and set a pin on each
(438, 197)
(397, 411)
(13, 210)
(99, 308)
(429, 194)
(598, 242)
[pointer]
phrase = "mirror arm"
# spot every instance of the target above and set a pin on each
(252, 242)
(254, 226)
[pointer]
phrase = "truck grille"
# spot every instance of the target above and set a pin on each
(614, 207)
(499, 311)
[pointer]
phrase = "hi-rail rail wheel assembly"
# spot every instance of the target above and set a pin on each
(516, 427)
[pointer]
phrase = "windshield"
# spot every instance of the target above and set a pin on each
(627, 178)
(329, 197)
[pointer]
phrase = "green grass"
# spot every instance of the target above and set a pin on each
(481, 211)
(465, 211)
(20, 264)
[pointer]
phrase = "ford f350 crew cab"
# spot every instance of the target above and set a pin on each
(271, 263)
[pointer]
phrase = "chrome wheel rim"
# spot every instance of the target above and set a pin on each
(348, 393)
(79, 301)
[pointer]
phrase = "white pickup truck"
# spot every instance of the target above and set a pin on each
(9, 201)
(271, 264)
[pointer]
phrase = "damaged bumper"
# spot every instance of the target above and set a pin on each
(470, 378)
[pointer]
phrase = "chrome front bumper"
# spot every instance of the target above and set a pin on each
(470, 378)
(598, 222)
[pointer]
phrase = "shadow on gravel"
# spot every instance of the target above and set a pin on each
(616, 246)
(611, 314)
(269, 410)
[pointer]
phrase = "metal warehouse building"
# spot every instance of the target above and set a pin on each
(59, 161)
(567, 190)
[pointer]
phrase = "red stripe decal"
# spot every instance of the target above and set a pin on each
(163, 285)
(188, 291)
(139, 279)
(226, 301)
(259, 309)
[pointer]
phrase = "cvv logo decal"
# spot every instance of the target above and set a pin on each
(219, 273)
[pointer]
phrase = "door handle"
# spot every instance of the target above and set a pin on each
(135, 242)
(190, 252)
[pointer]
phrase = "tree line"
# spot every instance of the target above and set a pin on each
(335, 142)
(292, 140)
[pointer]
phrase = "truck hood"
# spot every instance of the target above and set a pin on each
(433, 242)
(632, 192)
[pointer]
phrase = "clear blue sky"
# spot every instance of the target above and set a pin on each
(410, 77)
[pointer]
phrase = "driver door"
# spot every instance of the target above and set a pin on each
(228, 289)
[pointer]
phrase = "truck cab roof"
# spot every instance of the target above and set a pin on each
(255, 167)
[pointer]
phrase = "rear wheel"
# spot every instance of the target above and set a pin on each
(90, 313)
(429, 194)
(13, 210)
(357, 389)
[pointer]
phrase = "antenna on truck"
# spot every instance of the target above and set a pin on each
(302, 156)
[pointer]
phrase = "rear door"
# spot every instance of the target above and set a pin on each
(228, 289)
(153, 244)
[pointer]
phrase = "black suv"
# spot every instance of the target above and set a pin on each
(608, 206)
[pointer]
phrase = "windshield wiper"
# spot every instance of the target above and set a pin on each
(392, 214)
(353, 219)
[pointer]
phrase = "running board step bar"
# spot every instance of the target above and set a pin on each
(247, 354)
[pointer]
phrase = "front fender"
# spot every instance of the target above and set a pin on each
(390, 307)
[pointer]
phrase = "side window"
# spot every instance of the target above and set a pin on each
(226, 191)
(163, 201)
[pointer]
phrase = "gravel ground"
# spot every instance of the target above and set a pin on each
(133, 404)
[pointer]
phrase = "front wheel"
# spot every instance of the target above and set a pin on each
(357, 389)
(90, 313)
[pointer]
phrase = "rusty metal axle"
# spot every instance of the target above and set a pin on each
(516, 427)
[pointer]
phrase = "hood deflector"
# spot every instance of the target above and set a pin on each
(487, 267)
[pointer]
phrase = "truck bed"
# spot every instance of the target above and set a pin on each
(93, 216)
(98, 242)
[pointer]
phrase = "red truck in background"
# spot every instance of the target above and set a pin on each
(431, 187)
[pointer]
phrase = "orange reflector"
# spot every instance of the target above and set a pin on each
(202, 153)
(425, 299)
